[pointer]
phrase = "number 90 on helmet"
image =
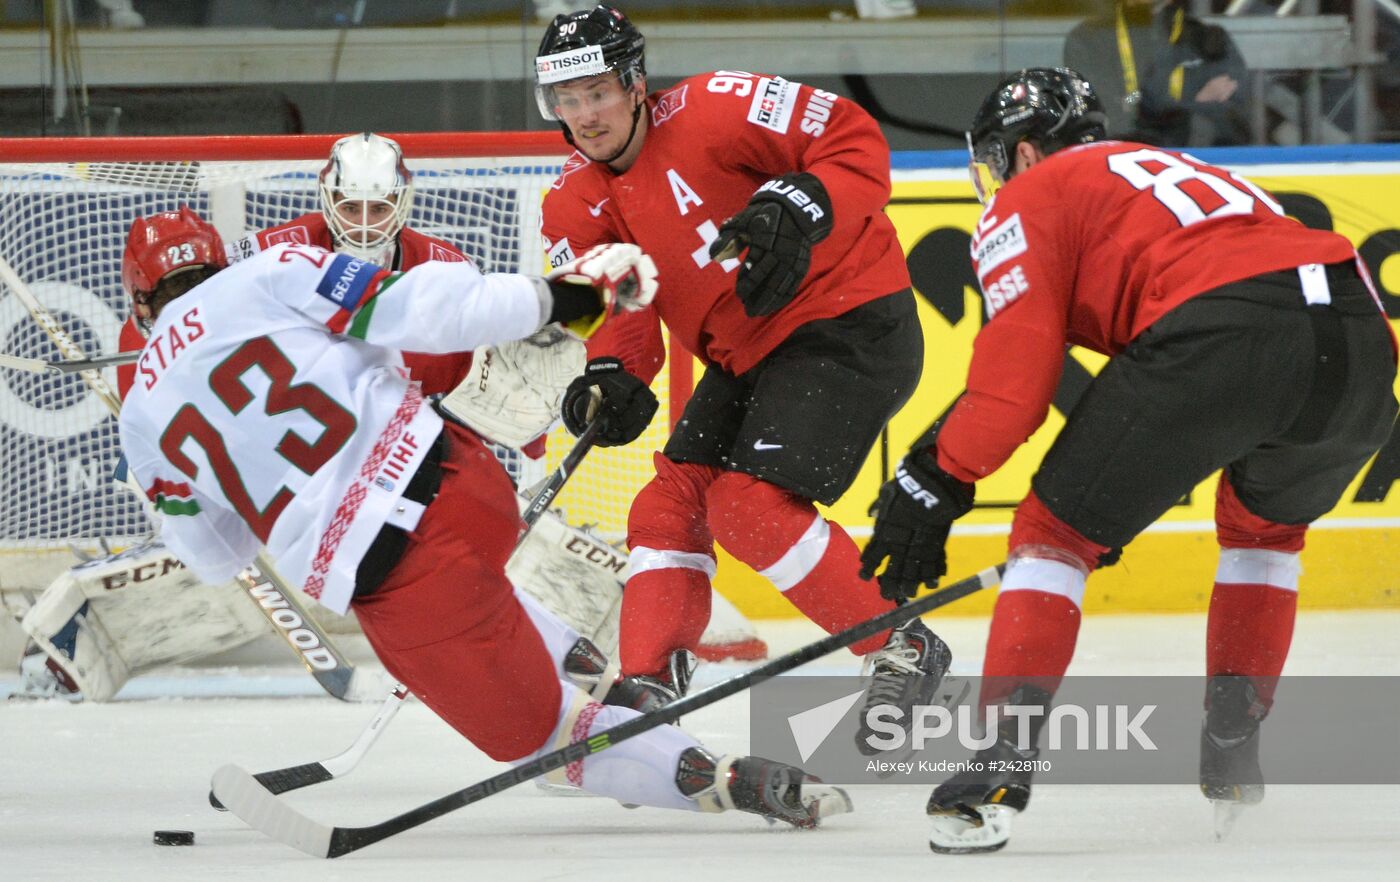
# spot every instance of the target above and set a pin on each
(586, 44)
(163, 245)
(366, 195)
(1052, 106)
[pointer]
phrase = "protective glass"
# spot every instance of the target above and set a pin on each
(561, 101)
(985, 168)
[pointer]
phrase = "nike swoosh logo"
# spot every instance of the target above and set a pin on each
(759, 445)
(596, 210)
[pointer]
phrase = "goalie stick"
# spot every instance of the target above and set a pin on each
(248, 799)
(39, 366)
(264, 587)
(296, 777)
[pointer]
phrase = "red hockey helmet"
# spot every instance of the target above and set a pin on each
(164, 244)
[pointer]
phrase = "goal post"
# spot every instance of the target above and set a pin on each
(65, 207)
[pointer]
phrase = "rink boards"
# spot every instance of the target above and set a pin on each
(1351, 554)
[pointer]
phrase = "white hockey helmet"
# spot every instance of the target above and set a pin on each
(366, 195)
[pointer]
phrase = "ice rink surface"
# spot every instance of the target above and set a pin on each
(82, 787)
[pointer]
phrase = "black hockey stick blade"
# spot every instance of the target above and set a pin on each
(281, 780)
(248, 799)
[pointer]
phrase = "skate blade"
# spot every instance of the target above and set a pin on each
(957, 833)
(1227, 812)
(553, 788)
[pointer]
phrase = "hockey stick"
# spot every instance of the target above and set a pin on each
(265, 588)
(296, 777)
(39, 366)
(249, 800)
(545, 492)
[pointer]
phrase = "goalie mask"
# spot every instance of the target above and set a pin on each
(586, 44)
(366, 194)
(1054, 107)
(164, 245)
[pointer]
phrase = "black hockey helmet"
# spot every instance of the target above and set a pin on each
(584, 44)
(1053, 106)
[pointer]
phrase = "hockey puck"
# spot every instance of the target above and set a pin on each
(173, 837)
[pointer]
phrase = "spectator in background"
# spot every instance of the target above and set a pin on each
(1165, 77)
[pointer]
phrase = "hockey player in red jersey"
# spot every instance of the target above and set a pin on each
(261, 417)
(1239, 340)
(366, 194)
(762, 202)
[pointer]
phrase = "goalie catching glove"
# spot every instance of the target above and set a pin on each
(606, 279)
(783, 220)
(513, 391)
(913, 514)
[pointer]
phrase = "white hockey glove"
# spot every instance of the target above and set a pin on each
(621, 276)
(513, 391)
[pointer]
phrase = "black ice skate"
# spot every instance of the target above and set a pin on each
(1230, 775)
(776, 791)
(645, 693)
(972, 811)
(907, 671)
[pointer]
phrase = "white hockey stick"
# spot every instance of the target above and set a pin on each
(39, 366)
(295, 777)
(265, 588)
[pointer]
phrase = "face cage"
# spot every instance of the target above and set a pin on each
(366, 240)
(987, 169)
(544, 93)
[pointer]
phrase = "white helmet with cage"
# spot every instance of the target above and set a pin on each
(366, 195)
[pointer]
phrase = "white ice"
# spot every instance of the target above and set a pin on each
(83, 786)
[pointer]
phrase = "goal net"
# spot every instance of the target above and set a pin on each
(65, 207)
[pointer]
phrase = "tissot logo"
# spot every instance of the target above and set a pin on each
(582, 62)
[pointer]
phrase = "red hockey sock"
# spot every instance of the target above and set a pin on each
(1248, 632)
(1031, 641)
(812, 561)
(662, 610)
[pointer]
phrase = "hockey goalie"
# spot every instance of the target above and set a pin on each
(106, 620)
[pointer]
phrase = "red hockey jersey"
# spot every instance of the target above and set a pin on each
(437, 373)
(1090, 247)
(712, 140)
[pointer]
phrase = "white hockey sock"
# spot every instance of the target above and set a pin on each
(639, 771)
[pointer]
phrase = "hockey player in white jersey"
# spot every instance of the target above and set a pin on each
(106, 620)
(271, 408)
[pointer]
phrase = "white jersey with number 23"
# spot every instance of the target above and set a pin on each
(271, 405)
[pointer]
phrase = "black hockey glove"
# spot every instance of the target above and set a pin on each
(783, 220)
(624, 403)
(913, 514)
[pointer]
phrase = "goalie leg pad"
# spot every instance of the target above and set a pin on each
(574, 574)
(133, 611)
